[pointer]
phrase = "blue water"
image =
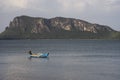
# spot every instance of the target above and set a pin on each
(68, 60)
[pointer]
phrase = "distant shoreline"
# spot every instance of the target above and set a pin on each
(59, 39)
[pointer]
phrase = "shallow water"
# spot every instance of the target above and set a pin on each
(68, 60)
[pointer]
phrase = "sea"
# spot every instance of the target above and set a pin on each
(69, 59)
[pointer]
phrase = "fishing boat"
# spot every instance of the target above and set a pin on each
(39, 55)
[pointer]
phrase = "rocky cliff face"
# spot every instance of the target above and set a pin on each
(41, 25)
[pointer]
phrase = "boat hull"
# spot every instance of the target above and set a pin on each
(40, 55)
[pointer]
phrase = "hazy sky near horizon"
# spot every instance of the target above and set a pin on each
(104, 12)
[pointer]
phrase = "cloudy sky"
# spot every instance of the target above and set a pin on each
(105, 12)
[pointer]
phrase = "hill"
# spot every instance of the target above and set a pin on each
(25, 27)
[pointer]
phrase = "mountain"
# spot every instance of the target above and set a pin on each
(25, 27)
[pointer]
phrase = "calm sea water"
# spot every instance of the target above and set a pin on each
(68, 60)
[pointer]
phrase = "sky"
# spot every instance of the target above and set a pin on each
(104, 12)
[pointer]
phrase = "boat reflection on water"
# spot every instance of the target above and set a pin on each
(38, 59)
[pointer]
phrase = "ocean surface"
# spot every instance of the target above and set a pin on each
(68, 60)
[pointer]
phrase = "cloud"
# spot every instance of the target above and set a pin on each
(62, 6)
(106, 5)
(43, 5)
(13, 5)
(71, 5)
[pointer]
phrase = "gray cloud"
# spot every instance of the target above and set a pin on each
(104, 12)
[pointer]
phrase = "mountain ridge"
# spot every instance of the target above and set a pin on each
(26, 27)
